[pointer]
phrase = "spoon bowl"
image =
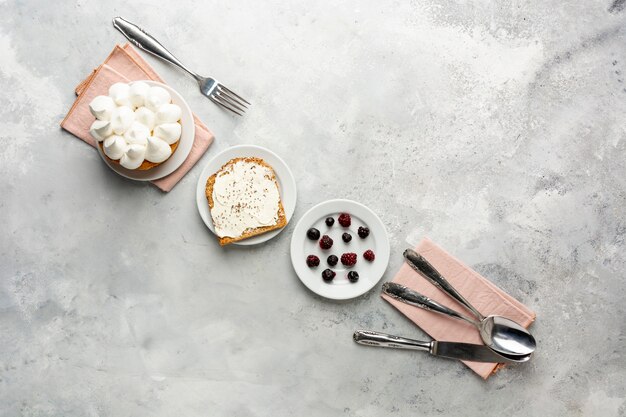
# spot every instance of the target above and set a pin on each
(506, 336)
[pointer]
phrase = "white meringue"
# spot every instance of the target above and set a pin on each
(169, 132)
(137, 134)
(133, 157)
(121, 119)
(100, 129)
(168, 113)
(120, 93)
(138, 92)
(115, 146)
(157, 150)
(145, 116)
(136, 123)
(156, 97)
(101, 107)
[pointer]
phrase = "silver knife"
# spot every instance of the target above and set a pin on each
(452, 350)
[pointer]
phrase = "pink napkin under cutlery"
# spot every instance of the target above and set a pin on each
(482, 293)
(124, 64)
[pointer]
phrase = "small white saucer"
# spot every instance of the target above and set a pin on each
(286, 185)
(178, 157)
(340, 288)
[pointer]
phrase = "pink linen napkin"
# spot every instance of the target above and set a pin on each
(124, 64)
(480, 292)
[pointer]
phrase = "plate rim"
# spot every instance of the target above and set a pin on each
(289, 211)
(293, 243)
(126, 173)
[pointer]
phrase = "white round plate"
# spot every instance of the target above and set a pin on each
(173, 162)
(340, 288)
(286, 185)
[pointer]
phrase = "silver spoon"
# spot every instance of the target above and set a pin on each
(498, 333)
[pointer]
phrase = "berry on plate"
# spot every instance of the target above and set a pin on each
(332, 260)
(344, 220)
(353, 276)
(313, 233)
(329, 221)
(312, 261)
(328, 275)
(346, 237)
(348, 259)
(369, 255)
(363, 232)
(326, 242)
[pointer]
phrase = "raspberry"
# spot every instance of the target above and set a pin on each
(347, 237)
(348, 259)
(326, 242)
(353, 276)
(369, 255)
(332, 260)
(313, 233)
(312, 261)
(329, 221)
(344, 219)
(363, 232)
(328, 275)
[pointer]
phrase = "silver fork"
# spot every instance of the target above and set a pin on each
(210, 87)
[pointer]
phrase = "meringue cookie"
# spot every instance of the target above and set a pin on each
(120, 93)
(137, 134)
(133, 157)
(100, 129)
(145, 116)
(156, 97)
(121, 119)
(115, 146)
(168, 113)
(138, 92)
(169, 132)
(101, 107)
(157, 150)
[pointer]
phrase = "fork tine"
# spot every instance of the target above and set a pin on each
(234, 103)
(215, 100)
(228, 90)
(222, 92)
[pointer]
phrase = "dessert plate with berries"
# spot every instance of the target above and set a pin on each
(340, 249)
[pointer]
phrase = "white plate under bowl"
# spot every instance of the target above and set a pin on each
(340, 288)
(188, 129)
(286, 185)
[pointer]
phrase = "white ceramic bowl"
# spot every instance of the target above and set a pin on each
(340, 288)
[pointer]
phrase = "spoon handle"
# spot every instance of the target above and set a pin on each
(420, 264)
(410, 297)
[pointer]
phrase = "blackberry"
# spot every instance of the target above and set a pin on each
(328, 275)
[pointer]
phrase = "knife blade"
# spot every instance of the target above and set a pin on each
(451, 350)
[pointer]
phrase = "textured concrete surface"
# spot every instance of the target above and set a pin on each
(496, 128)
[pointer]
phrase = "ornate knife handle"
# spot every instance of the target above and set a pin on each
(370, 338)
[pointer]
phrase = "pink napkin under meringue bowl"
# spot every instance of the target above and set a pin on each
(124, 64)
(479, 291)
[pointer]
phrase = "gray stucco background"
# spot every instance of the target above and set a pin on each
(496, 128)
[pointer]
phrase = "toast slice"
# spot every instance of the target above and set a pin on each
(282, 219)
